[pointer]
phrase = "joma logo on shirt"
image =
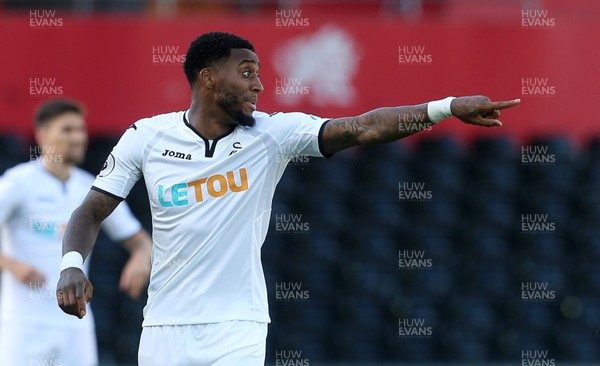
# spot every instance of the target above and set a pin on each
(216, 185)
(177, 154)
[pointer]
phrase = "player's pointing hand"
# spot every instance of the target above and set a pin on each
(480, 110)
(73, 292)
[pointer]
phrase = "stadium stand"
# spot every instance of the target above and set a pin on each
(347, 259)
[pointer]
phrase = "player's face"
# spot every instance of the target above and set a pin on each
(238, 84)
(64, 139)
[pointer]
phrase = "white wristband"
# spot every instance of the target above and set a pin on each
(439, 109)
(71, 259)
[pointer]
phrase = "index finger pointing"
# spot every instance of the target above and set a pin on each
(502, 105)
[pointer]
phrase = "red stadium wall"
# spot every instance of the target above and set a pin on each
(124, 68)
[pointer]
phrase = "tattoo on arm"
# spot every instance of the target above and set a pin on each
(85, 221)
(375, 127)
(341, 133)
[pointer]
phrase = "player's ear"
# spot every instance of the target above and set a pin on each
(206, 77)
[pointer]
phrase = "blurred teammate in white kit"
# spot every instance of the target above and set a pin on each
(36, 202)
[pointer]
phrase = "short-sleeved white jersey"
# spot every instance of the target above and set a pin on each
(211, 205)
(35, 207)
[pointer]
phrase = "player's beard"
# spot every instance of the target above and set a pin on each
(232, 106)
(74, 157)
(74, 160)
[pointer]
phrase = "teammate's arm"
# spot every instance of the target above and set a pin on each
(384, 124)
(23, 272)
(136, 272)
(74, 290)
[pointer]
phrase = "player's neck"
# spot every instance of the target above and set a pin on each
(210, 124)
(60, 170)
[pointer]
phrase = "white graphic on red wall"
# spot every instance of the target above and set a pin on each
(318, 67)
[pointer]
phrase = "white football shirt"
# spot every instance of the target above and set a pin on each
(211, 206)
(35, 207)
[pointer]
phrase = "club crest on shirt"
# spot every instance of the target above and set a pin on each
(237, 146)
(108, 167)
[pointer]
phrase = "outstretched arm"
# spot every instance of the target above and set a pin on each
(393, 123)
(74, 290)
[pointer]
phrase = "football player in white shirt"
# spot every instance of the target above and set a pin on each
(211, 173)
(36, 201)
